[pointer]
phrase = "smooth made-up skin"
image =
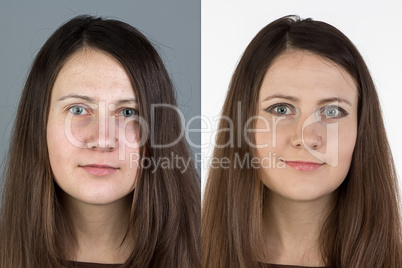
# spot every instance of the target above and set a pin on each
(85, 133)
(307, 90)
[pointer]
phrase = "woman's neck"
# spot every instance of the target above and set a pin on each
(100, 230)
(292, 229)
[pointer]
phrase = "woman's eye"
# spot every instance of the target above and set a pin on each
(280, 109)
(78, 110)
(333, 112)
(128, 112)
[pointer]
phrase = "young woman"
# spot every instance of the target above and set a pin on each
(84, 184)
(310, 180)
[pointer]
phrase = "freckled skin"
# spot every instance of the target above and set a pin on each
(91, 138)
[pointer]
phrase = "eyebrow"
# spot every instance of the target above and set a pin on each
(320, 102)
(92, 100)
(120, 102)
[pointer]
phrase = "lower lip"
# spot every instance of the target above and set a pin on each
(303, 166)
(98, 171)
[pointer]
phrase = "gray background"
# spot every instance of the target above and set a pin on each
(174, 26)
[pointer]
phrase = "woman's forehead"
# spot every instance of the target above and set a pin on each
(93, 73)
(306, 74)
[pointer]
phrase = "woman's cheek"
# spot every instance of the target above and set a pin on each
(129, 132)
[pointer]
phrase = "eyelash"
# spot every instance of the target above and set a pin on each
(341, 111)
(271, 108)
(89, 112)
(135, 112)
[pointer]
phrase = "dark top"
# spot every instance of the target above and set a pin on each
(76, 264)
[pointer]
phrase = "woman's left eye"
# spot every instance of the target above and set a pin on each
(128, 112)
(333, 112)
(78, 110)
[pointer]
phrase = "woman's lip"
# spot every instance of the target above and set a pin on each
(99, 170)
(98, 166)
(304, 166)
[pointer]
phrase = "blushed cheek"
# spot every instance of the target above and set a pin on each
(347, 141)
(133, 133)
(56, 148)
(347, 145)
(55, 137)
(79, 130)
(128, 131)
(270, 137)
(263, 134)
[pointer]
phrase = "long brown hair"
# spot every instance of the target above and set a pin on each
(165, 211)
(363, 228)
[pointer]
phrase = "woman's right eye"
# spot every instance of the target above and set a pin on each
(78, 110)
(280, 109)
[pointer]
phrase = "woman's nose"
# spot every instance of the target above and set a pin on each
(307, 134)
(103, 131)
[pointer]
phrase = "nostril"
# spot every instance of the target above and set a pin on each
(92, 145)
(113, 144)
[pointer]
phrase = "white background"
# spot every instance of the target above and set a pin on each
(373, 26)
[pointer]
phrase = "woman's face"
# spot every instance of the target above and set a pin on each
(306, 127)
(92, 132)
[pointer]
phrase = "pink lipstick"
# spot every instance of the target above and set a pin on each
(99, 170)
(304, 166)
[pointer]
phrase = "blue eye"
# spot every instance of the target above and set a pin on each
(333, 112)
(280, 109)
(128, 112)
(78, 110)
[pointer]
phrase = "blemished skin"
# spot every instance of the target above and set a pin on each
(313, 104)
(88, 155)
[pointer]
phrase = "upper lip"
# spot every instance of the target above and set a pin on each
(304, 163)
(98, 166)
